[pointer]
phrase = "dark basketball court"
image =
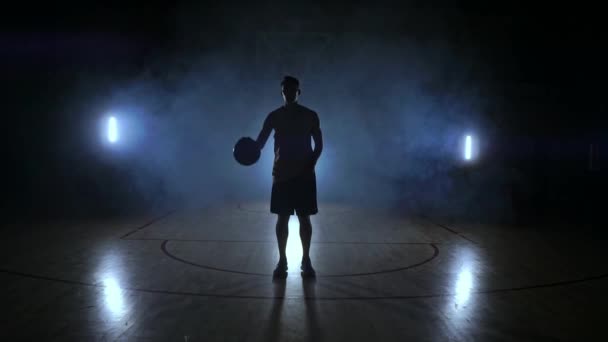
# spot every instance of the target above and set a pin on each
(446, 160)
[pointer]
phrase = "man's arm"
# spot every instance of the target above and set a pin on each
(264, 133)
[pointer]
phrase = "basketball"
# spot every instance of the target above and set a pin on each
(246, 151)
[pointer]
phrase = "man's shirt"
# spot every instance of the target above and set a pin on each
(293, 126)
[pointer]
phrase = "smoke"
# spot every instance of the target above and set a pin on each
(393, 109)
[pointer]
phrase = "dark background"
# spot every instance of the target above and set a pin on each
(395, 85)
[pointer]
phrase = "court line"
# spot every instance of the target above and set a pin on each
(451, 230)
(314, 242)
(163, 247)
(149, 223)
(311, 298)
(240, 207)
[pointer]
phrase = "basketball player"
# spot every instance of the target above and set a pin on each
(294, 187)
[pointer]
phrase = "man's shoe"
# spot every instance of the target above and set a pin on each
(281, 270)
(307, 270)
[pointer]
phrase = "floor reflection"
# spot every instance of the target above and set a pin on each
(464, 285)
(110, 273)
(464, 269)
(113, 296)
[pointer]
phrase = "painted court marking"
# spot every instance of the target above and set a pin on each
(319, 275)
(319, 298)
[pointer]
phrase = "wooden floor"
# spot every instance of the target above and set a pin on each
(205, 275)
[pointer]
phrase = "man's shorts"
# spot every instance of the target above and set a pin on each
(297, 194)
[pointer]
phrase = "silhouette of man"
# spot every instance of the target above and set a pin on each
(294, 186)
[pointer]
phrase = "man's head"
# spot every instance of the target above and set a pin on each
(290, 88)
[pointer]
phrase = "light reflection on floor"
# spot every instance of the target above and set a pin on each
(464, 285)
(114, 297)
(462, 304)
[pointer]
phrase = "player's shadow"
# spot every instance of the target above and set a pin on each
(273, 328)
(312, 318)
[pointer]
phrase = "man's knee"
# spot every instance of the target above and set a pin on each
(282, 221)
(304, 221)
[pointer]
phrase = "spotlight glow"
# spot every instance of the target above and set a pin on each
(113, 296)
(112, 130)
(468, 147)
(464, 286)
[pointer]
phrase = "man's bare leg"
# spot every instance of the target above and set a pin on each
(282, 234)
(305, 235)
